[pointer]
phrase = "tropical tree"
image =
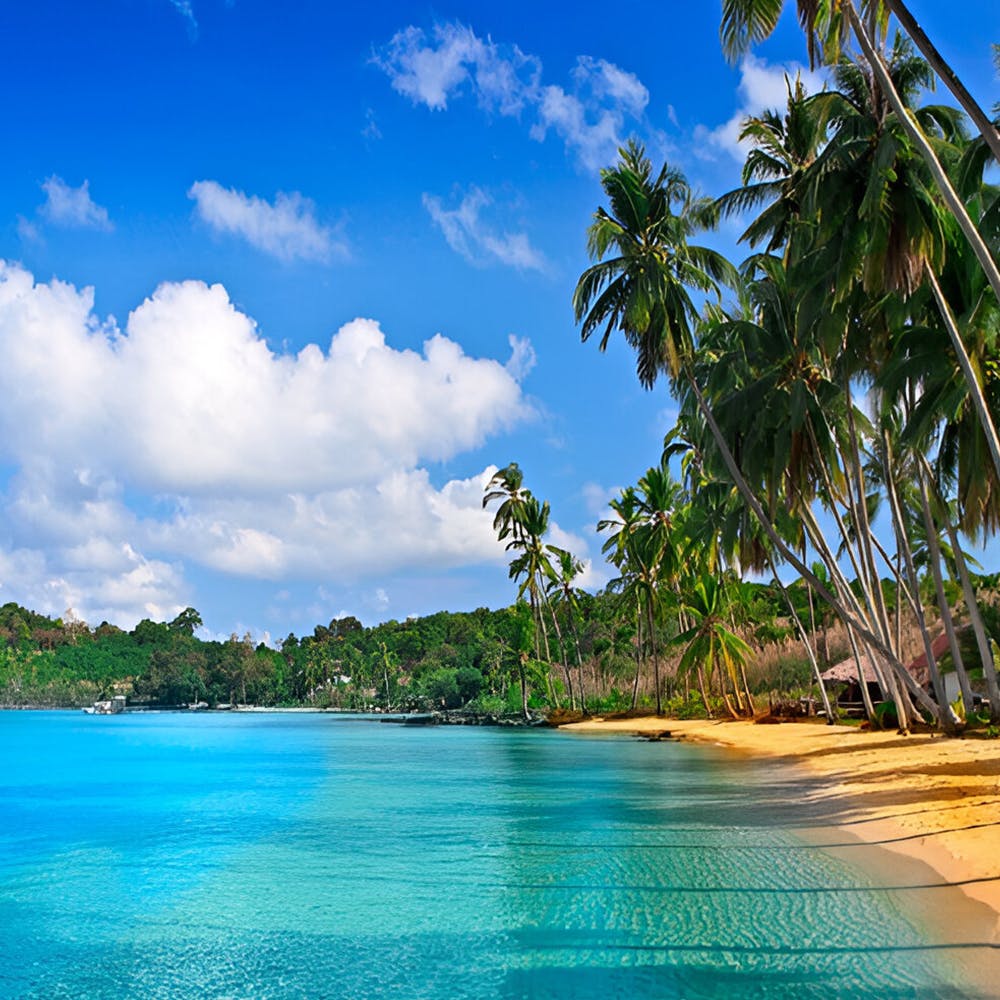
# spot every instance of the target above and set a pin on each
(709, 645)
(746, 23)
(829, 22)
(656, 313)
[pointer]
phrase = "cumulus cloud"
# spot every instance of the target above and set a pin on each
(110, 582)
(522, 357)
(189, 398)
(451, 61)
(72, 207)
(400, 521)
(762, 87)
(182, 439)
(475, 239)
(597, 497)
(286, 229)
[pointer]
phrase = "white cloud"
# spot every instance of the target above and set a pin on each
(762, 87)
(596, 498)
(606, 80)
(285, 229)
(476, 240)
(595, 142)
(522, 357)
(428, 74)
(182, 439)
(590, 118)
(73, 207)
(363, 531)
(186, 10)
(28, 230)
(431, 72)
(189, 398)
(116, 584)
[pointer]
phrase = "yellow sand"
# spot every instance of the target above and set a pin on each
(929, 797)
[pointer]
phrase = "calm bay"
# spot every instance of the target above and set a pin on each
(300, 855)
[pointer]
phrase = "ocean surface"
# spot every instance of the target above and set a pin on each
(298, 856)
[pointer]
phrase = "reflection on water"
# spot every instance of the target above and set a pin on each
(264, 856)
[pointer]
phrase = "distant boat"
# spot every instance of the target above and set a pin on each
(113, 706)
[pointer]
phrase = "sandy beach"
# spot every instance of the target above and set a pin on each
(930, 798)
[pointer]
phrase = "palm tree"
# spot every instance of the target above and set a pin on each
(709, 645)
(627, 557)
(748, 22)
(562, 593)
(507, 486)
(644, 291)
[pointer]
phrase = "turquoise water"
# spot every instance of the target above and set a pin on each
(272, 856)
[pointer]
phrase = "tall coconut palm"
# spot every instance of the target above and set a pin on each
(563, 593)
(748, 21)
(745, 23)
(644, 290)
(507, 486)
(635, 547)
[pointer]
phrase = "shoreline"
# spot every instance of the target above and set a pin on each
(927, 797)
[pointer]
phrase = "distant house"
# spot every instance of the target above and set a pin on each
(846, 671)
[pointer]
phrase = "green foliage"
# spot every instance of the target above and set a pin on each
(885, 716)
(691, 707)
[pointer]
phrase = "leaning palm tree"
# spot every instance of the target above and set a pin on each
(825, 22)
(641, 285)
(831, 22)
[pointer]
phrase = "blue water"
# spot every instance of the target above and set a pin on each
(301, 856)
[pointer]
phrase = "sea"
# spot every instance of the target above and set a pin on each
(290, 855)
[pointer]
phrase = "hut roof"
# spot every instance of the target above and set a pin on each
(847, 670)
(918, 667)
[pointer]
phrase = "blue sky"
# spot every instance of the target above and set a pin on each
(281, 285)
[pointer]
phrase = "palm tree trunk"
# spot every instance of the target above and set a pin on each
(978, 627)
(523, 678)
(656, 658)
(787, 553)
(562, 650)
(638, 653)
(579, 658)
(751, 710)
(948, 719)
(805, 641)
(975, 390)
(947, 619)
(866, 697)
(975, 618)
(886, 680)
(704, 694)
(864, 527)
(937, 63)
(726, 700)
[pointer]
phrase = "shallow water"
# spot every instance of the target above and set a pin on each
(271, 856)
